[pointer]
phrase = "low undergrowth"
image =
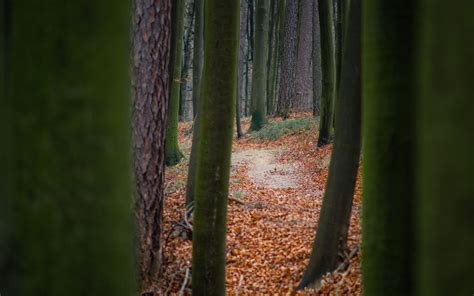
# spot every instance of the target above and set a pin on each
(276, 129)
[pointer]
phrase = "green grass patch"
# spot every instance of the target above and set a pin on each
(274, 130)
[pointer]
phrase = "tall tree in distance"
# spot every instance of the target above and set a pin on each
(172, 153)
(328, 69)
(67, 225)
(241, 93)
(388, 59)
(151, 57)
(214, 151)
(333, 225)
(316, 44)
(445, 202)
(288, 59)
(260, 69)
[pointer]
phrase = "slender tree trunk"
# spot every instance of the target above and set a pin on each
(388, 78)
(260, 70)
(445, 206)
(150, 86)
(288, 59)
(214, 151)
(316, 61)
(303, 96)
(197, 79)
(189, 11)
(333, 225)
(172, 153)
(328, 68)
(272, 54)
(66, 222)
(242, 56)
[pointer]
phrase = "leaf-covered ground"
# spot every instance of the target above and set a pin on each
(270, 228)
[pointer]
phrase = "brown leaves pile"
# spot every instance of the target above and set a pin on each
(270, 235)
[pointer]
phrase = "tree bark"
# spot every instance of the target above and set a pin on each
(445, 203)
(260, 70)
(151, 59)
(333, 225)
(172, 153)
(389, 94)
(214, 151)
(65, 185)
(328, 67)
(241, 92)
(288, 59)
(316, 61)
(189, 11)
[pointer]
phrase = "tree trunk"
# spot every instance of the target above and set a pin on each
(303, 97)
(172, 153)
(288, 59)
(316, 61)
(445, 140)
(333, 225)
(260, 70)
(66, 222)
(197, 78)
(388, 79)
(189, 11)
(151, 59)
(214, 151)
(242, 56)
(328, 69)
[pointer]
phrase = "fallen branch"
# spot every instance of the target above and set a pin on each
(183, 285)
(347, 260)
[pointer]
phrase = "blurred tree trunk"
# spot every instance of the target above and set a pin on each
(328, 68)
(189, 12)
(241, 91)
(214, 151)
(388, 86)
(316, 61)
(151, 59)
(334, 222)
(260, 70)
(65, 184)
(172, 153)
(288, 59)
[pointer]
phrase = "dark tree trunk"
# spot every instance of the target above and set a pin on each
(334, 221)
(151, 58)
(241, 92)
(288, 59)
(66, 224)
(187, 60)
(316, 61)
(388, 99)
(214, 151)
(328, 68)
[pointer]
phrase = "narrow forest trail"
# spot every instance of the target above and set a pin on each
(276, 191)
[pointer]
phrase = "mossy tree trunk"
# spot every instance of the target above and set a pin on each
(151, 58)
(172, 153)
(445, 150)
(273, 55)
(328, 69)
(288, 59)
(214, 150)
(260, 69)
(197, 78)
(66, 223)
(388, 59)
(333, 225)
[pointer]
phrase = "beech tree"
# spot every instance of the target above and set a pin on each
(333, 225)
(66, 189)
(172, 153)
(260, 69)
(151, 58)
(213, 163)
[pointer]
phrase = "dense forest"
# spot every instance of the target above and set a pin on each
(239, 147)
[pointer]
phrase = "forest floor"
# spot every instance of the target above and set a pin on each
(276, 192)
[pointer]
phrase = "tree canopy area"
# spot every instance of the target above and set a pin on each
(240, 147)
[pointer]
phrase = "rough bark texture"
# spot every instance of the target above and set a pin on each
(388, 78)
(151, 58)
(333, 225)
(328, 69)
(260, 70)
(288, 59)
(316, 61)
(445, 188)
(197, 78)
(172, 153)
(303, 97)
(66, 223)
(214, 151)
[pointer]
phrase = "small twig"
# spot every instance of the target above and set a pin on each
(241, 279)
(171, 283)
(238, 200)
(183, 285)
(347, 260)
